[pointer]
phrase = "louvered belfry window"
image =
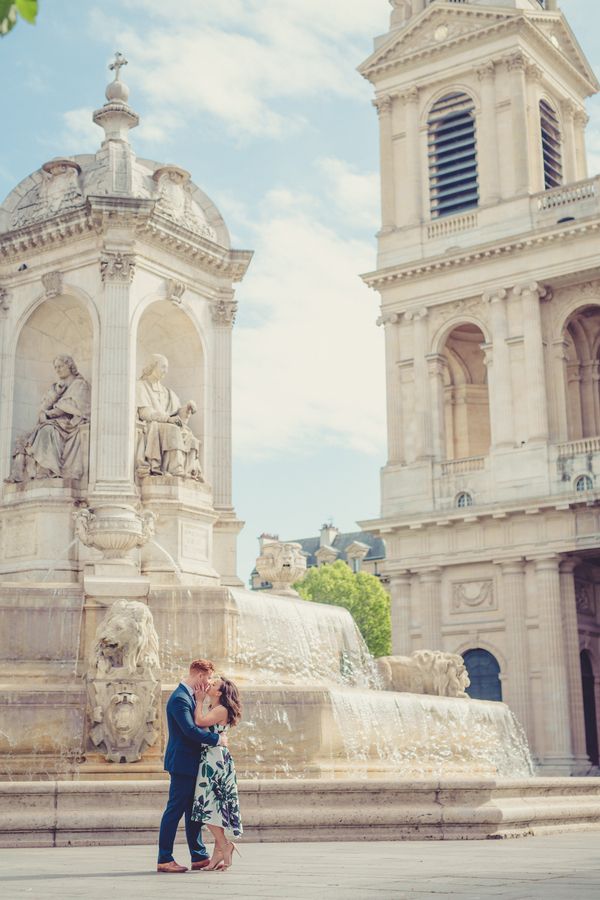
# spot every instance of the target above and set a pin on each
(452, 155)
(551, 146)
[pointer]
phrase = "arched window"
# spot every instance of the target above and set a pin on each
(464, 499)
(484, 673)
(584, 483)
(551, 146)
(452, 155)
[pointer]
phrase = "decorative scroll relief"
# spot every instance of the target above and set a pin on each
(472, 595)
(57, 190)
(52, 283)
(174, 290)
(118, 267)
(175, 201)
(584, 598)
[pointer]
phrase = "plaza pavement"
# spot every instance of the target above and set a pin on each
(556, 867)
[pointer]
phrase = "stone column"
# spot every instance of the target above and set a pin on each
(581, 120)
(560, 389)
(383, 106)
(394, 389)
(569, 154)
(430, 604)
(573, 663)
(400, 588)
(501, 396)
(556, 748)
(422, 409)
(436, 364)
(514, 604)
(412, 176)
(487, 137)
(223, 316)
(537, 400)
(114, 427)
(516, 64)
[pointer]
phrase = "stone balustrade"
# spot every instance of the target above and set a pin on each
(452, 467)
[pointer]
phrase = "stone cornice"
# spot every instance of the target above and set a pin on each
(513, 23)
(522, 242)
(140, 217)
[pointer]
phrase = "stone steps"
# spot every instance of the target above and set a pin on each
(78, 813)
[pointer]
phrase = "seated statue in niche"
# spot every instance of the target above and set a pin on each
(166, 444)
(53, 449)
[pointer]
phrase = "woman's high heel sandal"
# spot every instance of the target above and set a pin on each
(228, 854)
(216, 862)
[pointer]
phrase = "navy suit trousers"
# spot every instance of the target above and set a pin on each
(180, 802)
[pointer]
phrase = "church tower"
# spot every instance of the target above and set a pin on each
(489, 276)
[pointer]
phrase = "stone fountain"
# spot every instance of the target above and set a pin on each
(118, 538)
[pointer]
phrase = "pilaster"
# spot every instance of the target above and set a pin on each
(400, 592)
(412, 179)
(514, 604)
(516, 64)
(490, 189)
(383, 106)
(223, 312)
(422, 409)
(394, 411)
(537, 399)
(115, 418)
(573, 664)
(501, 395)
(556, 749)
(430, 608)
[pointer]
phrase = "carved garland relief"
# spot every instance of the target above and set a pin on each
(473, 595)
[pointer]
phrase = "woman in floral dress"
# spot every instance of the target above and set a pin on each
(216, 801)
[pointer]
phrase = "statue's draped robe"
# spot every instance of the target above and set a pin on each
(53, 449)
(155, 403)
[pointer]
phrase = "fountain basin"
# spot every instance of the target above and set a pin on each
(83, 813)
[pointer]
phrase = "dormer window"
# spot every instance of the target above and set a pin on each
(551, 146)
(452, 155)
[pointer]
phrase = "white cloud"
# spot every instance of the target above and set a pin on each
(80, 134)
(310, 368)
(241, 61)
(354, 193)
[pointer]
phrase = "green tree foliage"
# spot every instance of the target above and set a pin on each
(360, 593)
(11, 9)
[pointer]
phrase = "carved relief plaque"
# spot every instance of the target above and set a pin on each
(473, 595)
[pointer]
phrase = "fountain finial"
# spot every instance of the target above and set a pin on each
(116, 116)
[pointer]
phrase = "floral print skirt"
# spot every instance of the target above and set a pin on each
(216, 797)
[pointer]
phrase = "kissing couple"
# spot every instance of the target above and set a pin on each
(203, 783)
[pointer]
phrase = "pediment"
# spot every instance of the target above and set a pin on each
(439, 27)
(432, 31)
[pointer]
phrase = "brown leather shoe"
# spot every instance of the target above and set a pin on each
(200, 864)
(170, 867)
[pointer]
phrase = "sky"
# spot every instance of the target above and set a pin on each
(260, 100)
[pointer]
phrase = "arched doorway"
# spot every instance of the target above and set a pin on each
(466, 397)
(589, 707)
(582, 361)
(484, 672)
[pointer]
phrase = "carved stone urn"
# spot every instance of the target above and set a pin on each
(114, 529)
(281, 564)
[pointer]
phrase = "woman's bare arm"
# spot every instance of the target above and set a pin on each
(216, 716)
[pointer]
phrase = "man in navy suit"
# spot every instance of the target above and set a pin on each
(182, 760)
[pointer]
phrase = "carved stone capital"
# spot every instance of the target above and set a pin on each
(388, 319)
(569, 109)
(383, 105)
(416, 314)
(581, 117)
(487, 70)
(411, 95)
(53, 284)
(117, 266)
(543, 291)
(516, 61)
(4, 299)
(223, 312)
(533, 72)
(174, 290)
(495, 296)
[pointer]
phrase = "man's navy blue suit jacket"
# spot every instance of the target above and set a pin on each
(185, 738)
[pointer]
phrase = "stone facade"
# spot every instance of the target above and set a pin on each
(492, 330)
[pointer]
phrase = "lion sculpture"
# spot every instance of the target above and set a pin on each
(425, 672)
(281, 564)
(126, 639)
